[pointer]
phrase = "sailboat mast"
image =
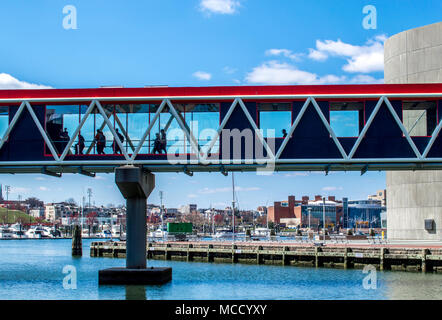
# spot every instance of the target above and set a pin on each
(233, 205)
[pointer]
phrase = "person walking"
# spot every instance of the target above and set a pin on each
(80, 144)
(100, 140)
(156, 144)
(115, 145)
(163, 141)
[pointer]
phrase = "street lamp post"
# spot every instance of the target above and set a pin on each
(323, 216)
(233, 207)
(7, 189)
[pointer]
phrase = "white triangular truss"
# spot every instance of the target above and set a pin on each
(202, 155)
(324, 121)
(27, 105)
(398, 121)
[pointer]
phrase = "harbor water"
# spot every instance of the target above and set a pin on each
(33, 269)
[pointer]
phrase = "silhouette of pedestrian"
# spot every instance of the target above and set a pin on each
(100, 140)
(80, 145)
(156, 144)
(163, 141)
(115, 145)
(64, 138)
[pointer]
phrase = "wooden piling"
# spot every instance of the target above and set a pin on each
(77, 248)
(382, 263)
(425, 264)
(258, 255)
(234, 248)
(318, 260)
(189, 253)
(346, 258)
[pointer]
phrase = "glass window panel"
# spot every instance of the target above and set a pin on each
(419, 117)
(174, 133)
(88, 131)
(344, 123)
(347, 118)
(137, 124)
(203, 122)
(95, 143)
(274, 118)
(4, 120)
(61, 122)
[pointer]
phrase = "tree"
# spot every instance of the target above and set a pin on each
(34, 202)
(218, 218)
(91, 218)
(71, 201)
(261, 220)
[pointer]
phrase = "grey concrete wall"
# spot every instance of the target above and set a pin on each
(414, 56)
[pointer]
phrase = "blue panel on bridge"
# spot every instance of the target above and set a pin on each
(384, 138)
(311, 139)
(25, 142)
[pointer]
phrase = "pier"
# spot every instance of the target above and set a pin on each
(383, 257)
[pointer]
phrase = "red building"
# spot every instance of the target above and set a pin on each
(282, 209)
(293, 209)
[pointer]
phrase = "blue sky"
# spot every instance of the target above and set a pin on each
(198, 43)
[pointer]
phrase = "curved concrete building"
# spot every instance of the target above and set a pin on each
(414, 56)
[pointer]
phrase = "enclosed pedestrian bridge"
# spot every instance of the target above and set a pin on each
(243, 128)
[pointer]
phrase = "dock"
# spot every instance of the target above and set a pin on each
(413, 258)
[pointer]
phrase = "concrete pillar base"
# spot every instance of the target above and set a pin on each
(135, 184)
(124, 276)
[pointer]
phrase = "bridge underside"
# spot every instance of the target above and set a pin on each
(191, 168)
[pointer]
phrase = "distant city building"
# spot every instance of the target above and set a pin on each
(364, 214)
(50, 213)
(282, 209)
(37, 213)
(343, 214)
(380, 195)
(261, 210)
(188, 208)
(312, 213)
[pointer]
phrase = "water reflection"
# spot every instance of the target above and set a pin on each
(135, 292)
(33, 269)
(408, 285)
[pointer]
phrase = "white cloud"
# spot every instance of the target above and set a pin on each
(317, 55)
(201, 75)
(364, 59)
(42, 188)
(365, 63)
(219, 6)
(9, 82)
(284, 52)
(192, 196)
(40, 178)
(274, 72)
